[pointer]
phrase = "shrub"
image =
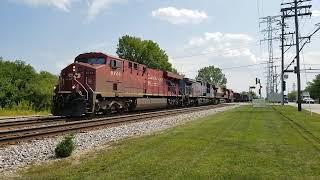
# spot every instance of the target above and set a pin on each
(65, 147)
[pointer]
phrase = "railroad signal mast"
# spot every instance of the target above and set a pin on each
(258, 81)
(293, 9)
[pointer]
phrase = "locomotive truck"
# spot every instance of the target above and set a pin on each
(97, 83)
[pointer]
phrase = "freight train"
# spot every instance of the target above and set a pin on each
(97, 83)
(240, 97)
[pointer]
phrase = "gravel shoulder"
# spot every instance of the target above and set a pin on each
(15, 157)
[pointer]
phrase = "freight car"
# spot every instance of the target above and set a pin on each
(241, 97)
(100, 83)
(225, 95)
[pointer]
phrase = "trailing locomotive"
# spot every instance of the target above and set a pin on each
(100, 83)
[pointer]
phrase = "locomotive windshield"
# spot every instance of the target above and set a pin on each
(93, 60)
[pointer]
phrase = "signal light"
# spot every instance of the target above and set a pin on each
(257, 81)
(284, 85)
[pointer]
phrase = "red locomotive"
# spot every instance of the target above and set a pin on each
(100, 83)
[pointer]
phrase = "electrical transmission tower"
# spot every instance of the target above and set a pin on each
(270, 33)
(294, 9)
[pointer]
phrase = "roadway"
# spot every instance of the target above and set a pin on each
(312, 107)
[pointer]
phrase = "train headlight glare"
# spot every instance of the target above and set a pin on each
(73, 87)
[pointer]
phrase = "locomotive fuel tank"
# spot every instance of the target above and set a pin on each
(151, 103)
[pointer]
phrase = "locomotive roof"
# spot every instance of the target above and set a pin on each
(100, 55)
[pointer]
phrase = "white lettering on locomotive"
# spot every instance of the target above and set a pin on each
(155, 78)
(154, 81)
(115, 73)
(74, 76)
(77, 76)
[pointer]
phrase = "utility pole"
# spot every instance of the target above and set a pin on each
(270, 31)
(295, 9)
(296, 20)
(282, 58)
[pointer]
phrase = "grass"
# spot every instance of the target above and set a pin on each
(6, 112)
(244, 142)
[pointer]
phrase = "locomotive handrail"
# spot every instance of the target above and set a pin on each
(83, 88)
(89, 85)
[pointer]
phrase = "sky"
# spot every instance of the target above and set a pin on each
(49, 34)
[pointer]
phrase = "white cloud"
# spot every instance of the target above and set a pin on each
(97, 6)
(94, 6)
(223, 50)
(316, 13)
(60, 4)
(180, 16)
(224, 44)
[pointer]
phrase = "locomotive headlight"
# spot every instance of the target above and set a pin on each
(74, 68)
(73, 87)
(54, 87)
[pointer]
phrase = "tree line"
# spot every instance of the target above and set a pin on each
(20, 83)
(149, 53)
(313, 88)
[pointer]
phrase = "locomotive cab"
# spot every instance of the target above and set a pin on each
(74, 95)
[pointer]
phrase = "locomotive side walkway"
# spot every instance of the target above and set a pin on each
(271, 142)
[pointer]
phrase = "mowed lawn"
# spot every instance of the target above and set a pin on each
(244, 142)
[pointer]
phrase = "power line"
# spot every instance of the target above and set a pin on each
(239, 67)
(244, 66)
(294, 9)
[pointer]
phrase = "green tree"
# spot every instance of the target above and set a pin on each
(144, 52)
(251, 94)
(42, 89)
(292, 96)
(20, 83)
(212, 75)
(314, 88)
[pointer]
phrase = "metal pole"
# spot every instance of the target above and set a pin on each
(282, 59)
(298, 54)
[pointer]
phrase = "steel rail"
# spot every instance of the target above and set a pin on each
(34, 121)
(14, 136)
(26, 121)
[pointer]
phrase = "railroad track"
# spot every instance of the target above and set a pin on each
(6, 123)
(17, 135)
(20, 117)
(27, 121)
